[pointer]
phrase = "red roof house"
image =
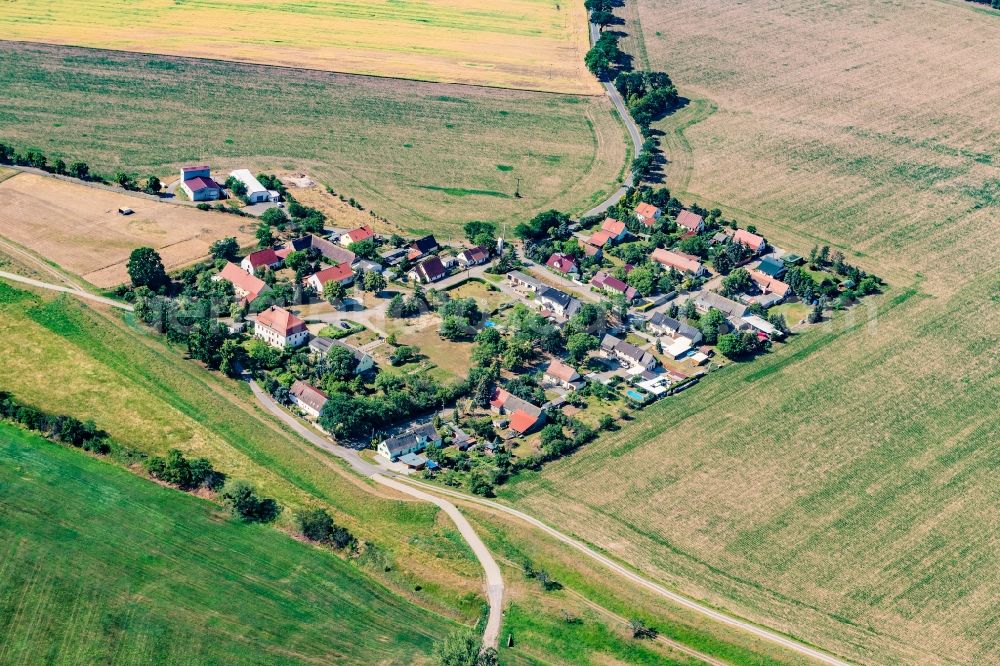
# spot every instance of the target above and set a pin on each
(255, 260)
(747, 239)
(248, 287)
(357, 235)
(647, 213)
(341, 273)
(562, 263)
(685, 263)
(690, 221)
(614, 228)
(608, 282)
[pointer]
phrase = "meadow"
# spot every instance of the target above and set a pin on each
(428, 157)
(840, 489)
(528, 44)
(100, 566)
(79, 227)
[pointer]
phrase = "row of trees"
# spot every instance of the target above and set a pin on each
(80, 170)
(58, 427)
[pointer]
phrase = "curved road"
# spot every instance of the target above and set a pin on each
(633, 132)
(494, 580)
(13, 277)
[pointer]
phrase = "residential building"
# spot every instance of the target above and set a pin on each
(690, 221)
(395, 256)
(330, 250)
(261, 258)
(561, 374)
(280, 328)
(308, 398)
(197, 183)
(342, 273)
(525, 282)
(474, 256)
(707, 300)
(562, 263)
(357, 235)
(752, 241)
(770, 287)
(590, 250)
(428, 270)
(557, 302)
(421, 247)
(610, 284)
(627, 353)
(322, 346)
(411, 441)
(685, 263)
(648, 214)
(661, 324)
(246, 286)
(256, 193)
(600, 239)
(524, 416)
(772, 267)
(462, 440)
(615, 229)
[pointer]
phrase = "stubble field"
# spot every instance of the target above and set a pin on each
(79, 227)
(528, 44)
(840, 489)
(426, 156)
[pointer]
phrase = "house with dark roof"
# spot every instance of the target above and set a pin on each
(474, 256)
(647, 213)
(627, 353)
(557, 302)
(308, 398)
(421, 247)
(772, 267)
(198, 185)
(610, 284)
(261, 258)
(413, 440)
(280, 328)
(330, 250)
(429, 270)
(562, 263)
(708, 300)
(661, 324)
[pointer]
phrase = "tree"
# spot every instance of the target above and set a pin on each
(481, 233)
(459, 649)
(642, 279)
(736, 282)
(317, 525)
(641, 631)
(265, 237)
(365, 249)
(340, 362)
(347, 416)
(274, 217)
(709, 325)
(816, 315)
(777, 320)
(232, 357)
(242, 499)
(396, 307)
(125, 181)
(153, 185)
(79, 170)
(454, 328)
(59, 167)
(145, 268)
(373, 281)
(225, 248)
(579, 344)
(236, 186)
(334, 291)
(602, 18)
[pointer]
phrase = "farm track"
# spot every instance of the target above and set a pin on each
(79, 293)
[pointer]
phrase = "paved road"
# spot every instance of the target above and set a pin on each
(633, 132)
(494, 580)
(760, 632)
(13, 277)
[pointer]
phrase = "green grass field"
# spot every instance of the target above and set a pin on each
(426, 156)
(100, 566)
(842, 488)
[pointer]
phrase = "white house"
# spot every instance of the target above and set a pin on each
(197, 183)
(560, 374)
(280, 328)
(256, 193)
(413, 440)
(309, 398)
(255, 260)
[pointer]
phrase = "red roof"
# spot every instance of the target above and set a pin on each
(499, 397)
(280, 320)
(476, 254)
(600, 239)
(752, 241)
(200, 183)
(521, 421)
(560, 371)
(603, 280)
(360, 234)
(589, 249)
(768, 283)
(613, 227)
(689, 220)
(266, 257)
(678, 260)
(647, 213)
(242, 281)
(562, 263)
(338, 273)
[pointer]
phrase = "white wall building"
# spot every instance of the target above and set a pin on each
(256, 193)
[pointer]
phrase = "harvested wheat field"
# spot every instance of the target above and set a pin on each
(843, 488)
(528, 44)
(79, 227)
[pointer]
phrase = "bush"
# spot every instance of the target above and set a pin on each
(242, 499)
(317, 525)
(183, 473)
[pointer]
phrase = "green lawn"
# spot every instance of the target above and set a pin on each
(98, 565)
(423, 155)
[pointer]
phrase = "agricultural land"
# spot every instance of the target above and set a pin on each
(843, 483)
(526, 44)
(426, 156)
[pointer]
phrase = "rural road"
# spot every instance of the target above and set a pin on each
(766, 634)
(633, 132)
(13, 277)
(494, 580)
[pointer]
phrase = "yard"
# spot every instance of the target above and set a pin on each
(488, 299)
(79, 227)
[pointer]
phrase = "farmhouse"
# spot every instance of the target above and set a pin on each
(429, 270)
(749, 240)
(308, 398)
(341, 273)
(197, 183)
(562, 263)
(246, 286)
(256, 193)
(560, 374)
(690, 221)
(609, 283)
(615, 230)
(627, 353)
(322, 346)
(524, 416)
(421, 247)
(331, 251)
(260, 259)
(524, 281)
(647, 213)
(707, 300)
(557, 302)
(474, 256)
(661, 324)
(280, 328)
(357, 235)
(411, 441)
(685, 263)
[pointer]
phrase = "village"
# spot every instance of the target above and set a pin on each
(471, 362)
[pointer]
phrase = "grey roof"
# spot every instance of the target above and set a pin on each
(626, 349)
(323, 346)
(710, 299)
(399, 443)
(771, 266)
(425, 244)
(525, 278)
(564, 300)
(661, 320)
(327, 248)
